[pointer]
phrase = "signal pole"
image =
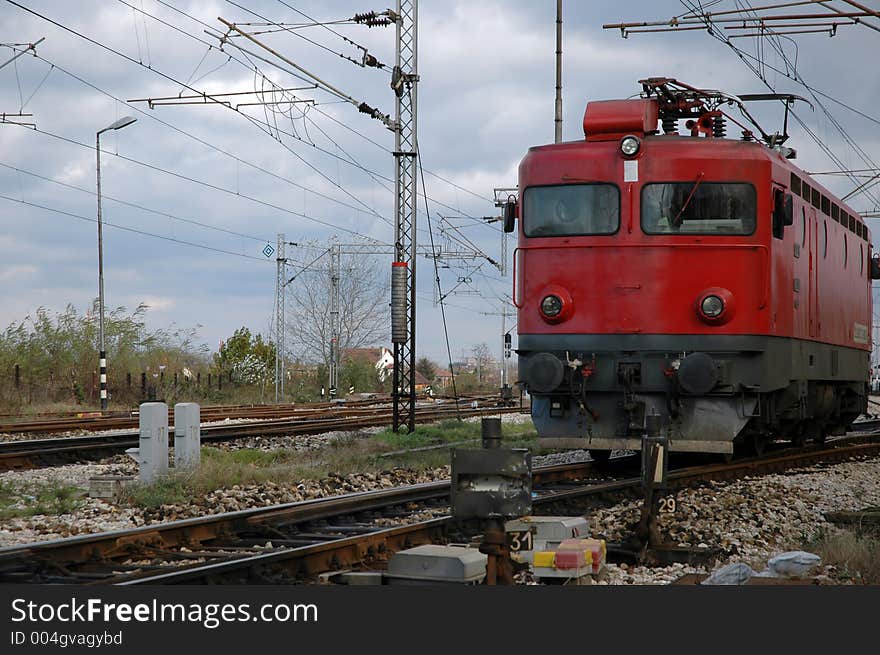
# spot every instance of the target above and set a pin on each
(403, 286)
(558, 119)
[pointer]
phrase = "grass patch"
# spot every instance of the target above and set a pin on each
(51, 498)
(167, 490)
(855, 555)
(450, 431)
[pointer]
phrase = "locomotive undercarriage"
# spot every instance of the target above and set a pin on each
(717, 394)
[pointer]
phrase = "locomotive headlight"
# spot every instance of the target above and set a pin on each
(551, 306)
(712, 306)
(629, 145)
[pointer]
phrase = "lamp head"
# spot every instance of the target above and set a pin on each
(125, 121)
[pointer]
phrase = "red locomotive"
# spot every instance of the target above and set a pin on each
(706, 280)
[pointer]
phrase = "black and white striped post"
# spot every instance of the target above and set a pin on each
(102, 362)
(102, 353)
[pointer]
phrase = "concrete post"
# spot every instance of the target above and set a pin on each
(153, 451)
(187, 435)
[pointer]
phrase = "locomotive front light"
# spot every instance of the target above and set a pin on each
(715, 306)
(629, 145)
(712, 306)
(551, 305)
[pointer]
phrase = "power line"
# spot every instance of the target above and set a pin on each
(822, 145)
(253, 119)
(306, 118)
(197, 139)
(172, 79)
(251, 66)
(131, 229)
(373, 62)
(249, 118)
(437, 280)
(325, 25)
(208, 185)
(135, 205)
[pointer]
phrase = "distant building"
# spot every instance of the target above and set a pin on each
(380, 358)
(442, 379)
(422, 383)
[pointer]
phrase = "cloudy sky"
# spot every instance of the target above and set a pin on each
(218, 184)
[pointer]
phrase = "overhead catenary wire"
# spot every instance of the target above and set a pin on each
(132, 229)
(265, 124)
(218, 149)
(251, 66)
(775, 42)
(762, 77)
(176, 81)
(205, 184)
(312, 41)
(437, 279)
(463, 241)
(134, 205)
(345, 97)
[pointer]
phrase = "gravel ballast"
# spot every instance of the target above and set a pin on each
(751, 519)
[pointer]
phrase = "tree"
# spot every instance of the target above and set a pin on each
(427, 368)
(482, 359)
(58, 353)
(363, 309)
(249, 359)
(360, 374)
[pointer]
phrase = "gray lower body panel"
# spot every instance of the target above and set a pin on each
(611, 382)
(703, 425)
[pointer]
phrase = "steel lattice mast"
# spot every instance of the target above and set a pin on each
(280, 319)
(335, 345)
(403, 301)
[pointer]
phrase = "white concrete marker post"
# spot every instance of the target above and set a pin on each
(187, 435)
(152, 455)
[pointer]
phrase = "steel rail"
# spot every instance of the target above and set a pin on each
(27, 453)
(354, 550)
(94, 421)
(313, 559)
(186, 532)
(324, 556)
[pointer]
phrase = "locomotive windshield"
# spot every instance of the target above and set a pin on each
(571, 210)
(698, 208)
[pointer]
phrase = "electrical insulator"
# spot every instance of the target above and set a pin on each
(370, 60)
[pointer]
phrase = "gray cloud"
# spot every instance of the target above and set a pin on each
(486, 95)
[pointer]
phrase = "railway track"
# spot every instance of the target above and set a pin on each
(296, 542)
(96, 421)
(30, 453)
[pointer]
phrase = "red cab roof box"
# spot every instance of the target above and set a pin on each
(607, 120)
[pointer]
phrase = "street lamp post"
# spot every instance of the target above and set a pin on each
(102, 353)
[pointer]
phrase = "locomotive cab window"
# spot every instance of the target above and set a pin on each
(571, 210)
(698, 208)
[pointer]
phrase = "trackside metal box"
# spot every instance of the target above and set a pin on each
(436, 565)
(549, 530)
(491, 483)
